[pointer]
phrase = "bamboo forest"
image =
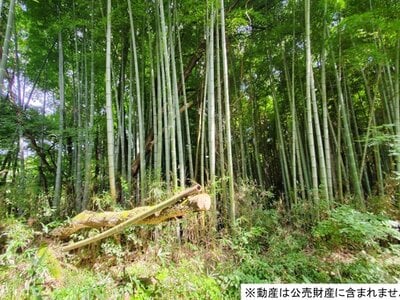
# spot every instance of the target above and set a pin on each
(172, 149)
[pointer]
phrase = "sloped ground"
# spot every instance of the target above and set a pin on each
(186, 260)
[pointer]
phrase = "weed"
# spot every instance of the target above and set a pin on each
(349, 228)
(344, 247)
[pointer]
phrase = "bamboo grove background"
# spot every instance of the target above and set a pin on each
(127, 99)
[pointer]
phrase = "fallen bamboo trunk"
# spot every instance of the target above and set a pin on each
(141, 214)
(107, 219)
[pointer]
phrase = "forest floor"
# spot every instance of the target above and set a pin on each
(186, 259)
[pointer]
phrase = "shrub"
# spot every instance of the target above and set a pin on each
(284, 257)
(18, 238)
(352, 229)
(363, 269)
(84, 285)
(187, 280)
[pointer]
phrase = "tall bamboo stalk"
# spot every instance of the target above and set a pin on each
(57, 189)
(6, 42)
(211, 105)
(397, 105)
(220, 118)
(109, 113)
(228, 137)
(348, 140)
(89, 124)
(325, 110)
(187, 124)
(1, 8)
(310, 129)
(139, 108)
(170, 108)
(175, 100)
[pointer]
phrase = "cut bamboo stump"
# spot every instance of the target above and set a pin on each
(145, 215)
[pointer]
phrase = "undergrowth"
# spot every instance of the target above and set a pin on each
(268, 245)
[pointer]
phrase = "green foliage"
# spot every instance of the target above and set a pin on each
(8, 124)
(302, 215)
(26, 199)
(31, 121)
(253, 199)
(20, 262)
(84, 285)
(187, 281)
(112, 249)
(50, 261)
(156, 190)
(102, 201)
(18, 237)
(352, 229)
(31, 273)
(282, 259)
(238, 22)
(261, 250)
(265, 45)
(384, 205)
(364, 269)
(277, 254)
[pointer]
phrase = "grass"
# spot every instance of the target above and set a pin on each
(152, 263)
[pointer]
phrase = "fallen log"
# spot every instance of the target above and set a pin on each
(118, 221)
(107, 219)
